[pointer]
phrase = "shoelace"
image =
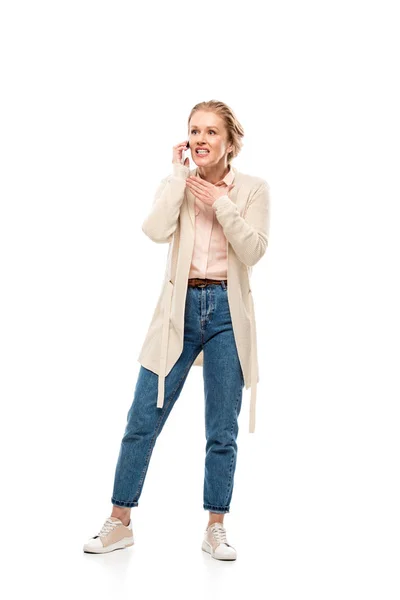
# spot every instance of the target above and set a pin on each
(219, 533)
(107, 527)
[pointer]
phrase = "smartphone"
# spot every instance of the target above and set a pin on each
(183, 153)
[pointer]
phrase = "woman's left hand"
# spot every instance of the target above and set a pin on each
(205, 191)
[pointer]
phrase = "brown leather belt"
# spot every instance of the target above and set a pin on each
(204, 282)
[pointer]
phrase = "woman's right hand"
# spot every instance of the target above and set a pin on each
(177, 154)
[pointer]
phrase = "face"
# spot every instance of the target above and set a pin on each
(207, 130)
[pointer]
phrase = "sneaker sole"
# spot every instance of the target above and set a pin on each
(207, 548)
(120, 545)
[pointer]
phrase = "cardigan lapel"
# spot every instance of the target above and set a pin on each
(191, 202)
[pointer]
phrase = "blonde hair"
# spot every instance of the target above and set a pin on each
(234, 129)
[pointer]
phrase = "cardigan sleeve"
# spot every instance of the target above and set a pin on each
(162, 220)
(247, 235)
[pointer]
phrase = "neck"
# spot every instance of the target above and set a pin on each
(214, 173)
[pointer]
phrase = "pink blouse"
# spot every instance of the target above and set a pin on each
(209, 258)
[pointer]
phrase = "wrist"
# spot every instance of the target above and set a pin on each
(221, 201)
(179, 170)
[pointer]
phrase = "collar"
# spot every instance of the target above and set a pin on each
(228, 179)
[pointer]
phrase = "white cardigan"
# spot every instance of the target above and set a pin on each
(245, 217)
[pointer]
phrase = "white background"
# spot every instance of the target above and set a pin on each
(94, 96)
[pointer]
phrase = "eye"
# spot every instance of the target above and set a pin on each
(196, 130)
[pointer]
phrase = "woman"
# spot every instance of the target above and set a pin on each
(216, 221)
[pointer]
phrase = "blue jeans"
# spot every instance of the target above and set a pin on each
(208, 327)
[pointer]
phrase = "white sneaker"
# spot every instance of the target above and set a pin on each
(216, 544)
(114, 535)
